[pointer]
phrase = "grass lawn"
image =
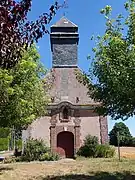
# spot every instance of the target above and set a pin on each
(81, 169)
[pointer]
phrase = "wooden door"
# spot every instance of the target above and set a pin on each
(65, 144)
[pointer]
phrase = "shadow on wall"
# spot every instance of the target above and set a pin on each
(97, 176)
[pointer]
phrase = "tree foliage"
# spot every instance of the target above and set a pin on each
(23, 91)
(16, 30)
(125, 137)
(114, 65)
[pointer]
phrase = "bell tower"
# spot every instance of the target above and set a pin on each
(64, 43)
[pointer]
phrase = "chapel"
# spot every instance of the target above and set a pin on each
(71, 113)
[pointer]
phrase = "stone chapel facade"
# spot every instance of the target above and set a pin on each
(71, 113)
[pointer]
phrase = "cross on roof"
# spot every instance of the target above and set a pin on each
(65, 6)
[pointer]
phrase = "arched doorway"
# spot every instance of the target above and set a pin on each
(65, 144)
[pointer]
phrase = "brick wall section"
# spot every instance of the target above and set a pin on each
(53, 138)
(77, 128)
(103, 129)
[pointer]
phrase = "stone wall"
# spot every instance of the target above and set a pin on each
(40, 129)
(90, 125)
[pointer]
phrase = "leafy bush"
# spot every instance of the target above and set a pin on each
(89, 147)
(4, 132)
(105, 151)
(49, 157)
(21, 159)
(90, 140)
(3, 144)
(34, 149)
(84, 151)
(9, 160)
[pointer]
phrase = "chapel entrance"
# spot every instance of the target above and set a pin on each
(65, 144)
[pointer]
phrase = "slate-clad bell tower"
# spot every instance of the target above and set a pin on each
(64, 43)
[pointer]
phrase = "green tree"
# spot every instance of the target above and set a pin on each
(16, 30)
(125, 136)
(114, 65)
(24, 91)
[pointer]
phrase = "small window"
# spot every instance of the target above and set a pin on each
(65, 113)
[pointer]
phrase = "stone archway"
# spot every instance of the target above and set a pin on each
(65, 144)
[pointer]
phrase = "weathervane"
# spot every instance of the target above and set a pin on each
(65, 6)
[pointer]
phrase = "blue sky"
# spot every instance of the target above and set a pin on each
(86, 14)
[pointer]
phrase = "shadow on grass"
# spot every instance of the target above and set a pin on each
(97, 176)
(5, 169)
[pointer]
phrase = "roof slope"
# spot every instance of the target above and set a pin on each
(66, 87)
(64, 22)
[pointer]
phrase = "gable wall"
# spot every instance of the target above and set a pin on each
(65, 86)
